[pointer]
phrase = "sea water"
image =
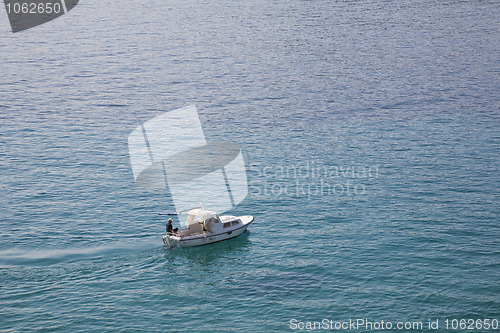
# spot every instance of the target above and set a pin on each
(370, 133)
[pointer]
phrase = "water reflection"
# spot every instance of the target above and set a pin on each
(207, 255)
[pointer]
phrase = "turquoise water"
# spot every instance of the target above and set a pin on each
(370, 131)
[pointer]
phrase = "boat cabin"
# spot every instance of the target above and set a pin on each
(199, 221)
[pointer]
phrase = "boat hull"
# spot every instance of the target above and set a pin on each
(207, 238)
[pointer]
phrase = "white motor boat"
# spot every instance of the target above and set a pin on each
(206, 227)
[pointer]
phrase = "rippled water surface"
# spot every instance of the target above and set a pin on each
(370, 131)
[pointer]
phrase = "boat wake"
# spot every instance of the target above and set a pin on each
(47, 257)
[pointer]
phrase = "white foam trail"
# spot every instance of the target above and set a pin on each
(43, 257)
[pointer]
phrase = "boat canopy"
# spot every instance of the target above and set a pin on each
(199, 215)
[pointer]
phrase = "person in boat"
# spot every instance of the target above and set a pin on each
(170, 229)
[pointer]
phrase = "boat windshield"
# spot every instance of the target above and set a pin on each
(213, 219)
